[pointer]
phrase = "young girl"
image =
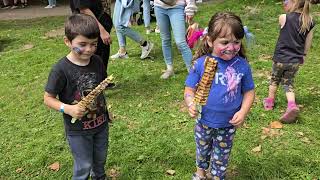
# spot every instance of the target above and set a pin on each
(294, 42)
(230, 97)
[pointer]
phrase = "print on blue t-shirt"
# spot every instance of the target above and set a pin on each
(232, 79)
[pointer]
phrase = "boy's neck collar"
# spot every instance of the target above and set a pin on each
(75, 60)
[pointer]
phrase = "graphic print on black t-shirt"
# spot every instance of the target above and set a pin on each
(95, 112)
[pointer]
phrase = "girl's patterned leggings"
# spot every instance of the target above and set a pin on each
(213, 144)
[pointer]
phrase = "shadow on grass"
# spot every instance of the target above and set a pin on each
(5, 43)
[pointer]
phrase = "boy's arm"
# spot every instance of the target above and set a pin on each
(239, 117)
(188, 99)
(73, 110)
(105, 36)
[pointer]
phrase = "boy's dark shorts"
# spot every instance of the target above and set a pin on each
(284, 73)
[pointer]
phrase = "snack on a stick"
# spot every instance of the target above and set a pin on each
(88, 100)
(202, 93)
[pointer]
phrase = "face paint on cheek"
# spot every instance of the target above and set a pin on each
(77, 50)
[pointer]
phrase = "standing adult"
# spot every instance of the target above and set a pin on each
(171, 14)
(95, 9)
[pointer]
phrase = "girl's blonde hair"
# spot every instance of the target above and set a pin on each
(305, 17)
(219, 25)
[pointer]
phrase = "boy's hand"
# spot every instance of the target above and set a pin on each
(238, 119)
(105, 36)
(193, 112)
(75, 111)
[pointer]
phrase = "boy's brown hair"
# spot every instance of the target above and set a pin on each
(81, 24)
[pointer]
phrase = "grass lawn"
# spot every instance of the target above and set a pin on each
(151, 132)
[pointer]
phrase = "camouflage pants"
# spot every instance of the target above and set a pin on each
(284, 73)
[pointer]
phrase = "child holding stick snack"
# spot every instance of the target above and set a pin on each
(70, 81)
(221, 82)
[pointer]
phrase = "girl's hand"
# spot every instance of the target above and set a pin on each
(75, 111)
(238, 119)
(193, 112)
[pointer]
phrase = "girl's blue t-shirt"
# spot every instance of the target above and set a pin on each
(232, 79)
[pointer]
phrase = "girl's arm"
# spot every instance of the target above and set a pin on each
(282, 20)
(188, 99)
(239, 117)
(73, 110)
(307, 46)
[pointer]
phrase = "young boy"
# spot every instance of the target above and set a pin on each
(72, 78)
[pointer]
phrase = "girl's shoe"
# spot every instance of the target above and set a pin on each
(268, 104)
(291, 114)
(49, 7)
(196, 176)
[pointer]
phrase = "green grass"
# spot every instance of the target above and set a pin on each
(150, 134)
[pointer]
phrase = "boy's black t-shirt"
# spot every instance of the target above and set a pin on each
(71, 83)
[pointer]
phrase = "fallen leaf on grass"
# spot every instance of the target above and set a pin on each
(171, 172)
(265, 131)
(55, 166)
(27, 46)
(19, 170)
(113, 173)
(276, 125)
(300, 134)
(257, 149)
(305, 140)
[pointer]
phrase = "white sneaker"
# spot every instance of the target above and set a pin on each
(145, 51)
(157, 30)
(118, 55)
(167, 74)
(48, 7)
(148, 31)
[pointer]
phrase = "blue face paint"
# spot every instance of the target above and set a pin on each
(77, 50)
(285, 2)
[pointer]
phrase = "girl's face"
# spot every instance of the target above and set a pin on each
(287, 4)
(225, 47)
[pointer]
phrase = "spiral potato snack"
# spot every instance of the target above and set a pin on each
(202, 93)
(87, 101)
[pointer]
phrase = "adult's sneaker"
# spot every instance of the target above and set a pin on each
(119, 55)
(145, 50)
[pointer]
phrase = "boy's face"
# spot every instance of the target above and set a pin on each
(226, 47)
(81, 47)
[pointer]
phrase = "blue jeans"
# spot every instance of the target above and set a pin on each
(52, 2)
(173, 18)
(121, 29)
(146, 13)
(89, 154)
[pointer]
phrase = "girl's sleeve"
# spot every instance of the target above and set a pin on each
(247, 82)
(194, 75)
(190, 8)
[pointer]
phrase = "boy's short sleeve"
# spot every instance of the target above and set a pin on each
(247, 82)
(194, 75)
(56, 81)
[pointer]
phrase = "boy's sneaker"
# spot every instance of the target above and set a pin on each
(118, 55)
(167, 74)
(291, 114)
(145, 50)
(195, 176)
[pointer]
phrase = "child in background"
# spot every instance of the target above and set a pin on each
(230, 98)
(72, 78)
(294, 42)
